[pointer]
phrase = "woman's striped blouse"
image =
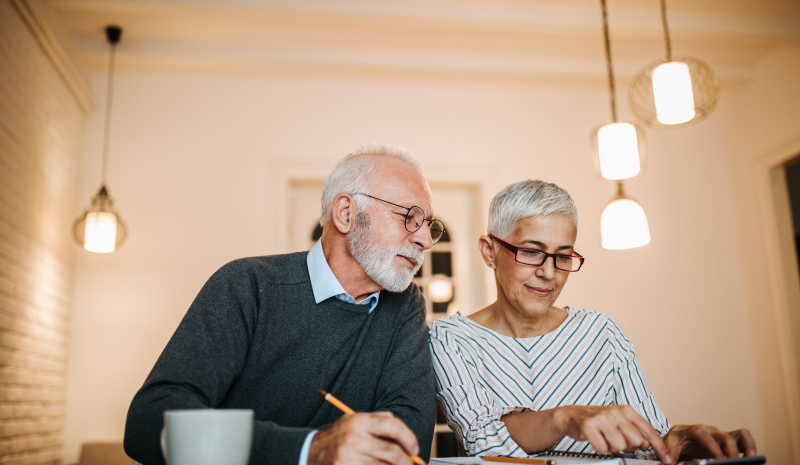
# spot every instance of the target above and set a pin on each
(482, 375)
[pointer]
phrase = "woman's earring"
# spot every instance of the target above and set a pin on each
(491, 265)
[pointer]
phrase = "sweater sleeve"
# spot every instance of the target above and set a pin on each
(406, 386)
(471, 412)
(200, 363)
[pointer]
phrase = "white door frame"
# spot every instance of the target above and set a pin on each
(782, 268)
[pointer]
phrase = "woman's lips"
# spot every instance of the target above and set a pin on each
(539, 291)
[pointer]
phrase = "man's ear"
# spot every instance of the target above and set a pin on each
(486, 248)
(343, 212)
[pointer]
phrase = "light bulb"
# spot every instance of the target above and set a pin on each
(440, 288)
(100, 234)
(618, 149)
(672, 91)
(623, 225)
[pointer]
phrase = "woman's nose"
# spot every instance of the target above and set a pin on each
(547, 270)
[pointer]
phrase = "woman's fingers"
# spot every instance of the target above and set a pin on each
(650, 435)
(745, 442)
(702, 435)
(727, 444)
(615, 429)
(633, 437)
(614, 437)
(597, 440)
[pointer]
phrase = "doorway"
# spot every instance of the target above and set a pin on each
(791, 175)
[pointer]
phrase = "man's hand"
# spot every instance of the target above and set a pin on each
(609, 429)
(702, 441)
(364, 438)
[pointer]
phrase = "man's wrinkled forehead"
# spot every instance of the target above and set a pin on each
(401, 183)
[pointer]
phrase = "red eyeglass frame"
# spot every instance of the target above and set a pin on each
(514, 249)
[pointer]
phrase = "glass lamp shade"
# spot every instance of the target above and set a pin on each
(618, 150)
(661, 93)
(440, 288)
(623, 225)
(100, 232)
(672, 91)
(100, 229)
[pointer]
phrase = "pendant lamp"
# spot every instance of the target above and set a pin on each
(618, 147)
(674, 91)
(100, 229)
(623, 224)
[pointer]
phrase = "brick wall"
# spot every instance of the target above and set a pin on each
(41, 127)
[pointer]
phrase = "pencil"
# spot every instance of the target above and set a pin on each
(492, 458)
(344, 408)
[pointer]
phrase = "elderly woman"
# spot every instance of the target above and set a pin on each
(523, 376)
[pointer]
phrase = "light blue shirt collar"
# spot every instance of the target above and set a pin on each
(324, 282)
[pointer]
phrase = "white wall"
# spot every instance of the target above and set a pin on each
(762, 127)
(193, 156)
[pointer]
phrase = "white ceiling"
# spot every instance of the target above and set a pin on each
(526, 41)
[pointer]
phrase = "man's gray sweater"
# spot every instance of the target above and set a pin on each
(254, 338)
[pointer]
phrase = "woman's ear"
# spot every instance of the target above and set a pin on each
(343, 212)
(486, 248)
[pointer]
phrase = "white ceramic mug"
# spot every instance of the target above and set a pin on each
(207, 437)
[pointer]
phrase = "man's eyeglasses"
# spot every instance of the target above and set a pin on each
(571, 263)
(415, 217)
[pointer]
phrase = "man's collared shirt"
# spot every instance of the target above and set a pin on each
(325, 285)
(324, 282)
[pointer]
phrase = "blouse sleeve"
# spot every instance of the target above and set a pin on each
(471, 412)
(631, 388)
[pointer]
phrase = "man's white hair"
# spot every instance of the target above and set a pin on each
(355, 172)
(525, 199)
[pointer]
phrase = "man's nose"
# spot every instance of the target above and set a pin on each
(422, 237)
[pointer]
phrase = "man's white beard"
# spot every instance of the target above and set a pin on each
(378, 262)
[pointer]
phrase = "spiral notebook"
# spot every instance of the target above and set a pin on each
(569, 458)
(561, 458)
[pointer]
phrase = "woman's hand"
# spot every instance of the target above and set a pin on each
(702, 441)
(613, 428)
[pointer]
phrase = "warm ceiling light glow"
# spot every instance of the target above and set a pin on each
(623, 225)
(672, 91)
(100, 234)
(440, 288)
(618, 150)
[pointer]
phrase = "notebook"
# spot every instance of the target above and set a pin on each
(594, 459)
(560, 460)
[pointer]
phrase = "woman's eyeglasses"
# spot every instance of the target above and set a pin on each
(415, 217)
(571, 263)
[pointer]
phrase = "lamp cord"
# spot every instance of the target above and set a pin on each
(666, 29)
(108, 111)
(611, 89)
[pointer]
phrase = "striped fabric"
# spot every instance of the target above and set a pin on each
(482, 375)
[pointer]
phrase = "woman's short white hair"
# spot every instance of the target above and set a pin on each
(525, 199)
(355, 171)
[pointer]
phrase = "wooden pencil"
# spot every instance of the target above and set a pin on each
(492, 458)
(344, 408)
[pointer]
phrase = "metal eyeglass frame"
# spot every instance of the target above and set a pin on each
(408, 212)
(514, 249)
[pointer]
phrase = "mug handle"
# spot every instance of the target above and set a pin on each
(164, 443)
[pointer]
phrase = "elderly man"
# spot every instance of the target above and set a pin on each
(266, 333)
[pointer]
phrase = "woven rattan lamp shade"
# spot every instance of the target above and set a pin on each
(705, 90)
